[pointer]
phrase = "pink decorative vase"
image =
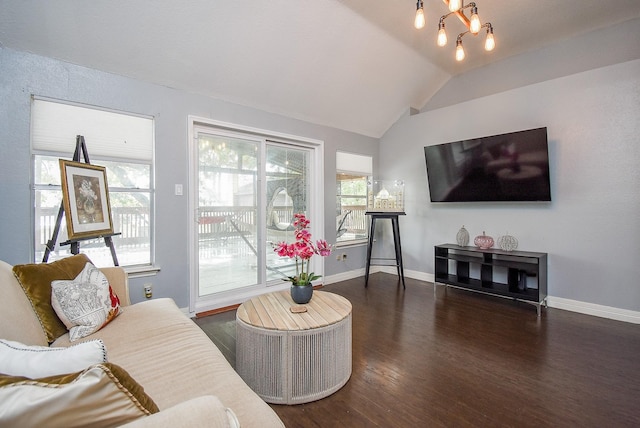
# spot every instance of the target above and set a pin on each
(483, 241)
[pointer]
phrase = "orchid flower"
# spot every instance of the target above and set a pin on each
(302, 250)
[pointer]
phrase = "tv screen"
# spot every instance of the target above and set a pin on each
(505, 167)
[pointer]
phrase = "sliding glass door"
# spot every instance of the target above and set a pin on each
(227, 233)
(287, 193)
(246, 190)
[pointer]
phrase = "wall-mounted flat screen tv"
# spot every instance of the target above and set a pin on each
(498, 168)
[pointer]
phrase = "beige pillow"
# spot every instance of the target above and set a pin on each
(85, 304)
(35, 280)
(103, 395)
(17, 359)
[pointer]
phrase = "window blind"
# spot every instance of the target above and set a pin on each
(352, 163)
(55, 125)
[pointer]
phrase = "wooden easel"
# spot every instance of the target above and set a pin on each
(75, 243)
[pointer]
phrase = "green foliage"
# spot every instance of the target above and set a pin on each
(302, 279)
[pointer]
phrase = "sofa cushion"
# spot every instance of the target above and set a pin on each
(19, 322)
(17, 359)
(35, 280)
(204, 411)
(175, 361)
(86, 303)
(103, 395)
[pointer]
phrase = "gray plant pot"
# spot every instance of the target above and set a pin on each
(301, 294)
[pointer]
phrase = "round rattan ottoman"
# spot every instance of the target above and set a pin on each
(293, 358)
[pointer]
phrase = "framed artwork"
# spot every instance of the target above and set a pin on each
(85, 196)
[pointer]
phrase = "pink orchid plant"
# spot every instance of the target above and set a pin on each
(302, 250)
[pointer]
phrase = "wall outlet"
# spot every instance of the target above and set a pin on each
(344, 257)
(148, 290)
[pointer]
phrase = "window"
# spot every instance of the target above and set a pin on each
(353, 172)
(123, 144)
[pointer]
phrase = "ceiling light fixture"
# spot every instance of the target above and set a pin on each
(473, 24)
(459, 49)
(489, 42)
(442, 35)
(419, 21)
(454, 5)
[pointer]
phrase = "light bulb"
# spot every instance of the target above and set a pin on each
(474, 25)
(420, 21)
(489, 42)
(442, 36)
(455, 5)
(459, 51)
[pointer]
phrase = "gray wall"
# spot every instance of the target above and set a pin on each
(24, 74)
(591, 229)
(595, 49)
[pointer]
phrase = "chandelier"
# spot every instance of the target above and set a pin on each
(473, 24)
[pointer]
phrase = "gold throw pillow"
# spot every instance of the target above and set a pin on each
(35, 280)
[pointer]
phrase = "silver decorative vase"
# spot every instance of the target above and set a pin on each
(507, 242)
(462, 238)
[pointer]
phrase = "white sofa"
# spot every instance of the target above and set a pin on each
(164, 351)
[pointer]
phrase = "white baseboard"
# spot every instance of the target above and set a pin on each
(330, 279)
(552, 301)
(414, 274)
(594, 309)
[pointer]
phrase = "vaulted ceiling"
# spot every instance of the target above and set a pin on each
(356, 65)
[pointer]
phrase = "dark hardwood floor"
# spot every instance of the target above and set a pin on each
(467, 359)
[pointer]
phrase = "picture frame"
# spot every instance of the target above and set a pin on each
(85, 195)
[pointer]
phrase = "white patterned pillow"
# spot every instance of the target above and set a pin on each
(17, 359)
(86, 303)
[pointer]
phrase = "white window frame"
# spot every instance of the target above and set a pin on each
(108, 134)
(355, 165)
(316, 209)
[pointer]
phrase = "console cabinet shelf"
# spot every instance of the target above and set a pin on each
(519, 275)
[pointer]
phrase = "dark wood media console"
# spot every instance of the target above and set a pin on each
(480, 270)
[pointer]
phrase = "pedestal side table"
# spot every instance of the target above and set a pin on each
(395, 227)
(293, 358)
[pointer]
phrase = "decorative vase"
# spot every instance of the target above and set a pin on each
(483, 241)
(301, 294)
(507, 242)
(89, 206)
(462, 238)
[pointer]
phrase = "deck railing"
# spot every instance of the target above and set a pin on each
(213, 222)
(356, 221)
(132, 224)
